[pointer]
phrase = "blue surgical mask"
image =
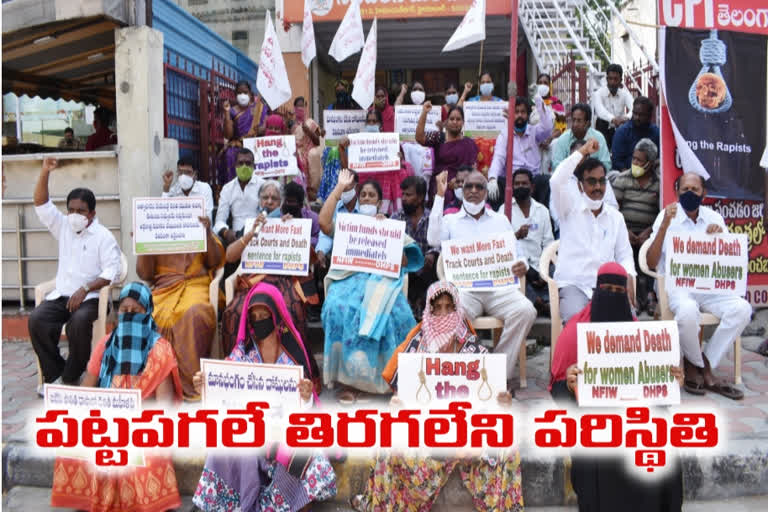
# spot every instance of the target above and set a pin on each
(373, 128)
(486, 89)
(452, 99)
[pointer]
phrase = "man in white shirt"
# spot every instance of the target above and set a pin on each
(688, 215)
(591, 233)
(187, 185)
(89, 259)
(473, 221)
(239, 197)
(613, 103)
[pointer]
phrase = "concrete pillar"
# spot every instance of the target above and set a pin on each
(140, 131)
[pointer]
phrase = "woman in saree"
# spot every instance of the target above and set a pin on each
(382, 106)
(246, 119)
(184, 315)
(309, 153)
(275, 125)
(133, 356)
(365, 316)
(407, 483)
(281, 481)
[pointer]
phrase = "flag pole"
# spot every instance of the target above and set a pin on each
(480, 67)
(511, 120)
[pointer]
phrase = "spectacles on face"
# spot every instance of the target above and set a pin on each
(474, 186)
(593, 182)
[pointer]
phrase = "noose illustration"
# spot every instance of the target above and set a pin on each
(423, 385)
(484, 376)
(709, 93)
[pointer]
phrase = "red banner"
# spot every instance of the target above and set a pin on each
(737, 15)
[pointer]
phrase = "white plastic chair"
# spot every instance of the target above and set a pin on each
(213, 298)
(549, 256)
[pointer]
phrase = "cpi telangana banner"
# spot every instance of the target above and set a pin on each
(714, 114)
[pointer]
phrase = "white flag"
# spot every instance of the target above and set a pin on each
(363, 87)
(272, 81)
(308, 51)
(349, 37)
(471, 29)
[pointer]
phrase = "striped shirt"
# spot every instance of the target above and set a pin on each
(639, 205)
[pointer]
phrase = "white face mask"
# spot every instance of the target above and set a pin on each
(473, 208)
(543, 90)
(347, 195)
(451, 99)
(186, 181)
(77, 222)
(459, 193)
(243, 99)
(592, 204)
(417, 97)
(368, 209)
(486, 89)
(372, 128)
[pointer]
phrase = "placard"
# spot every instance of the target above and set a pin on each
(367, 244)
(626, 364)
(374, 152)
(407, 117)
(481, 264)
(702, 263)
(338, 123)
(451, 377)
(275, 156)
(168, 225)
(484, 118)
(280, 248)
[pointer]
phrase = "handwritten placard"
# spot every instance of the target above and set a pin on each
(338, 123)
(374, 152)
(627, 363)
(280, 248)
(701, 263)
(478, 378)
(484, 118)
(168, 225)
(367, 244)
(275, 156)
(407, 117)
(481, 263)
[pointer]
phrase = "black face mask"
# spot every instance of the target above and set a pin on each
(294, 211)
(262, 328)
(410, 209)
(521, 193)
(610, 307)
(342, 98)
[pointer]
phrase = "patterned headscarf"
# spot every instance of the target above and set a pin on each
(127, 349)
(438, 331)
(275, 125)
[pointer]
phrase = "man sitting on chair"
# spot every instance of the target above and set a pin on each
(89, 259)
(734, 312)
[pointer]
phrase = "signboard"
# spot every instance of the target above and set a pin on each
(484, 118)
(281, 247)
(626, 364)
(275, 156)
(407, 117)
(168, 225)
(334, 10)
(701, 263)
(367, 244)
(232, 384)
(480, 264)
(736, 15)
(338, 123)
(374, 152)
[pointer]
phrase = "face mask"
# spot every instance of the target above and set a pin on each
(347, 195)
(243, 99)
(417, 97)
(637, 170)
(459, 193)
(520, 125)
(368, 210)
(77, 222)
(410, 209)
(452, 99)
(244, 172)
(521, 193)
(379, 103)
(262, 328)
(486, 89)
(186, 181)
(543, 90)
(373, 128)
(299, 112)
(473, 208)
(342, 98)
(592, 204)
(690, 201)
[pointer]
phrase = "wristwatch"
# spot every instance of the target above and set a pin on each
(86, 288)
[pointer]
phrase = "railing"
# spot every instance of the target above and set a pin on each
(643, 80)
(569, 84)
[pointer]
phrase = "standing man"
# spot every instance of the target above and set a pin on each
(472, 221)
(89, 259)
(687, 215)
(581, 117)
(239, 197)
(630, 133)
(613, 102)
(187, 184)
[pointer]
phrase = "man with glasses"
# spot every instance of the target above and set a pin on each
(591, 233)
(581, 118)
(238, 198)
(473, 221)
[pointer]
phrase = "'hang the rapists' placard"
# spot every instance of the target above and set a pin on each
(280, 248)
(338, 123)
(374, 152)
(625, 364)
(168, 225)
(480, 264)
(275, 156)
(234, 384)
(701, 263)
(484, 118)
(407, 117)
(367, 244)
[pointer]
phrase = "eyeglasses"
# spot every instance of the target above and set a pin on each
(592, 182)
(476, 186)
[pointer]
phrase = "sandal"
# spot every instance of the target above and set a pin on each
(358, 502)
(346, 396)
(726, 390)
(694, 386)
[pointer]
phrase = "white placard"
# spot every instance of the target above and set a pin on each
(364, 83)
(701, 263)
(168, 225)
(484, 118)
(280, 248)
(480, 264)
(626, 364)
(338, 123)
(407, 117)
(275, 155)
(272, 79)
(374, 152)
(367, 244)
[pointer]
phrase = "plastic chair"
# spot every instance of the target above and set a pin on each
(666, 313)
(213, 298)
(549, 256)
(100, 324)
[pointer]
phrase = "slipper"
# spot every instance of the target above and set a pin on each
(364, 398)
(694, 387)
(726, 390)
(346, 397)
(358, 502)
(763, 348)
